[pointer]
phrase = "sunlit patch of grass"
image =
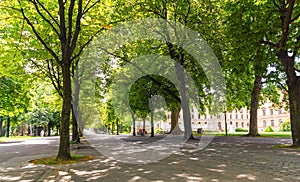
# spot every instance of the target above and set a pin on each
(262, 134)
(276, 134)
(279, 146)
(55, 161)
(14, 138)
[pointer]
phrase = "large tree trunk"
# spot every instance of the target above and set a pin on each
(1, 126)
(76, 115)
(133, 123)
(184, 103)
(7, 126)
(64, 143)
(179, 57)
(294, 103)
(253, 130)
(75, 133)
(144, 125)
(117, 123)
(293, 82)
(174, 121)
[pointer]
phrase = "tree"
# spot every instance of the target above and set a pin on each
(57, 28)
(287, 50)
(245, 29)
(197, 15)
(279, 22)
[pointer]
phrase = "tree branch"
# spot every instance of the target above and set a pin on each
(86, 8)
(48, 13)
(54, 80)
(70, 26)
(39, 37)
(275, 4)
(87, 43)
(43, 17)
(77, 26)
(62, 26)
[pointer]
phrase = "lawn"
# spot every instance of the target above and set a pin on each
(14, 138)
(262, 134)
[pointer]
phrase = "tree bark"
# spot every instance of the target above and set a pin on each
(117, 123)
(253, 129)
(144, 125)
(294, 103)
(75, 133)
(184, 103)
(293, 82)
(76, 114)
(133, 123)
(7, 126)
(174, 121)
(64, 143)
(1, 126)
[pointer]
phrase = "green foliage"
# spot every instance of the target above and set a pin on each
(241, 130)
(14, 97)
(269, 129)
(286, 125)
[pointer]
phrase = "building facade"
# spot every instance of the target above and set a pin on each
(267, 116)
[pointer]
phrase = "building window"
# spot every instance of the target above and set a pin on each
(271, 111)
(247, 124)
(193, 123)
(199, 122)
(193, 116)
(242, 124)
(236, 124)
(219, 116)
(280, 121)
(272, 123)
(280, 111)
(263, 112)
(205, 123)
(236, 116)
(199, 116)
(168, 116)
(242, 116)
(230, 116)
(264, 123)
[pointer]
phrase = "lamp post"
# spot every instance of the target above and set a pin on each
(225, 118)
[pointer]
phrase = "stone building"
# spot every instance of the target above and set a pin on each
(267, 116)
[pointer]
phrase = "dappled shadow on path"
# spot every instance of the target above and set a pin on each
(224, 159)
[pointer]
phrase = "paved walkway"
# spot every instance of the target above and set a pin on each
(224, 159)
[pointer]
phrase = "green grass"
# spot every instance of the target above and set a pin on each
(262, 134)
(14, 138)
(279, 146)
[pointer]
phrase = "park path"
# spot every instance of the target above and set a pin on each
(224, 159)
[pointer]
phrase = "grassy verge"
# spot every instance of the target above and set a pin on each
(14, 138)
(54, 161)
(262, 134)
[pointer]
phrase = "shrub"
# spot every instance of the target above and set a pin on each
(269, 129)
(241, 130)
(285, 126)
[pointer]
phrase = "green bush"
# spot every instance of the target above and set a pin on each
(285, 126)
(241, 130)
(269, 129)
